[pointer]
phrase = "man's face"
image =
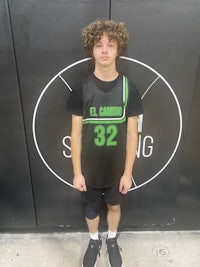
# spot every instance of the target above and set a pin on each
(105, 51)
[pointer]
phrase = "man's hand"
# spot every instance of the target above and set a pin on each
(125, 184)
(79, 183)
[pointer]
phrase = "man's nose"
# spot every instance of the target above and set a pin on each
(104, 49)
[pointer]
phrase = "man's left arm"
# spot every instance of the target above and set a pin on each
(131, 148)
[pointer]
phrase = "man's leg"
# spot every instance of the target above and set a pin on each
(113, 217)
(92, 199)
(95, 243)
(93, 226)
(114, 198)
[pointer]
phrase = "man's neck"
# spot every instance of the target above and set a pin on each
(106, 74)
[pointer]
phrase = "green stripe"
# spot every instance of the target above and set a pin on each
(126, 94)
(104, 121)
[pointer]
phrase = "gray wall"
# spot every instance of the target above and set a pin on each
(41, 57)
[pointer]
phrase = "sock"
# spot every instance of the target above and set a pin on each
(94, 236)
(111, 234)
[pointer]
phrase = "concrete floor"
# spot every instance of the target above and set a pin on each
(140, 249)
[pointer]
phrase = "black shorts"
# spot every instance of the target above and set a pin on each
(94, 197)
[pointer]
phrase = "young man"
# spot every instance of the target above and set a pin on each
(105, 110)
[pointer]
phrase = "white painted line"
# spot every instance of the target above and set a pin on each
(65, 82)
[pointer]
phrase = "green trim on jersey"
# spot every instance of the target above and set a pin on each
(113, 120)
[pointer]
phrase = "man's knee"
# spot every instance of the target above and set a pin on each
(114, 208)
(91, 212)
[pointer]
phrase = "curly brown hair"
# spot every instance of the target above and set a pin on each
(114, 30)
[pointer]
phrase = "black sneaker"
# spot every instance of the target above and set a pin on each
(91, 253)
(115, 259)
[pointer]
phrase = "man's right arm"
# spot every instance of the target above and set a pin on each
(76, 147)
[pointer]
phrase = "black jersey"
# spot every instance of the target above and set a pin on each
(105, 114)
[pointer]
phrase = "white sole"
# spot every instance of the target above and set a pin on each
(94, 265)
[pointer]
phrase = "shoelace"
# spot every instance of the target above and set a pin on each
(99, 247)
(113, 245)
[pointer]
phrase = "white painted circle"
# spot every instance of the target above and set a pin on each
(124, 58)
(180, 120)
